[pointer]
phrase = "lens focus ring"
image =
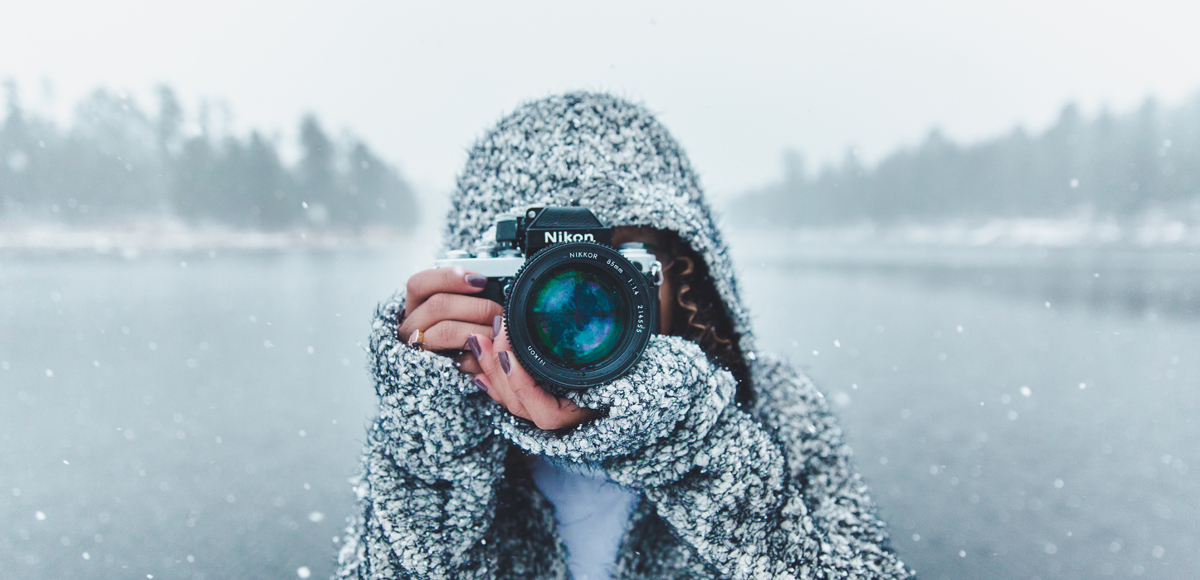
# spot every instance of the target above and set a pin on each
(579, 315)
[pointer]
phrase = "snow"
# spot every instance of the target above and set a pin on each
(133, 239)
(1152, 230)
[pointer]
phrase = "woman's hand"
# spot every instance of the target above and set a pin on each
(439, 303)
(508, 384)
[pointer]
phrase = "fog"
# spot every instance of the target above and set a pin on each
(420, 81)
(978, 230)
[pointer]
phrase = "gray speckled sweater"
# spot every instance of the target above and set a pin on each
(726, 491)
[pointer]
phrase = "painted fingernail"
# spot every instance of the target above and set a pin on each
(497, 326)
(473, 344)
(476, 280)
(479, 383)
(504, 364)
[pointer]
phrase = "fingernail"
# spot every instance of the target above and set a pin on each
(504, 364)
(476, 280)
(497, 326)
(479, 383)
(473, 344)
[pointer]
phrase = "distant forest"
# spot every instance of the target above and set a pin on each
(117, 163)
(1116, 166)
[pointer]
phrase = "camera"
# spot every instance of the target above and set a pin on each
(579, 312)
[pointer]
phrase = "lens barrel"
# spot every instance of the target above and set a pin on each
(579, 314)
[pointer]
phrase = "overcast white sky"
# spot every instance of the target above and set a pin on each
(736, 84)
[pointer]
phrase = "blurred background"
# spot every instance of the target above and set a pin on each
(977, 226)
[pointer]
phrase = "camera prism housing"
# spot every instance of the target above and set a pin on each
(579, 312)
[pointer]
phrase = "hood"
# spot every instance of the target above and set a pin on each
(610, 155)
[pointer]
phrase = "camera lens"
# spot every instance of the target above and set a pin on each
(577, 315)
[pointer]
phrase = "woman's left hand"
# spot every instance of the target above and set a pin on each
(508, 384)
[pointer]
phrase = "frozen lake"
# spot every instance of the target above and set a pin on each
(1019, 414)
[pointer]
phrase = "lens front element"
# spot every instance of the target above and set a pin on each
(577, 315)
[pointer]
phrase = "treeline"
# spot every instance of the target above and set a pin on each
(116, 163)
(1110, 166)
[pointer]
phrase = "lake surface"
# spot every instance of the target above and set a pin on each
(1019, 414)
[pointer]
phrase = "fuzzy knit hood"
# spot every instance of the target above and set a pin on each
(725, 490)
(611, 156)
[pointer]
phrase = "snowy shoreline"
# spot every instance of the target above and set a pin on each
(170, 237)
(998, 241)
(1151, 231)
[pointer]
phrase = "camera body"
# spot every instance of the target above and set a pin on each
(578, 312)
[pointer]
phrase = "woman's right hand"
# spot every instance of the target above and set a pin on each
(439, 302)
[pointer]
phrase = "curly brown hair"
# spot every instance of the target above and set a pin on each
(700, 314)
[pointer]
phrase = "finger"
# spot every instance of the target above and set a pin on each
(482, 383)
(500, 335)
(426, 283)
(450, 335)
(468, 364)
(445, 306)
(481, 347)
(545, 410)
(501, 395)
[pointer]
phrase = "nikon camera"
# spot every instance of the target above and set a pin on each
(579, 313)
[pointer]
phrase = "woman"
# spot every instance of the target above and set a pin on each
(729, 462)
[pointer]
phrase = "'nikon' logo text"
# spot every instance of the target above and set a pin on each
(556, 237)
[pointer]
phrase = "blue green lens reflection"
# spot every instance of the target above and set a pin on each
(577, 317)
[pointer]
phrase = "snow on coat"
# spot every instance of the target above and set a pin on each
(726, 491)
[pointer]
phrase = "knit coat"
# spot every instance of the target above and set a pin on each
(765, 490)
